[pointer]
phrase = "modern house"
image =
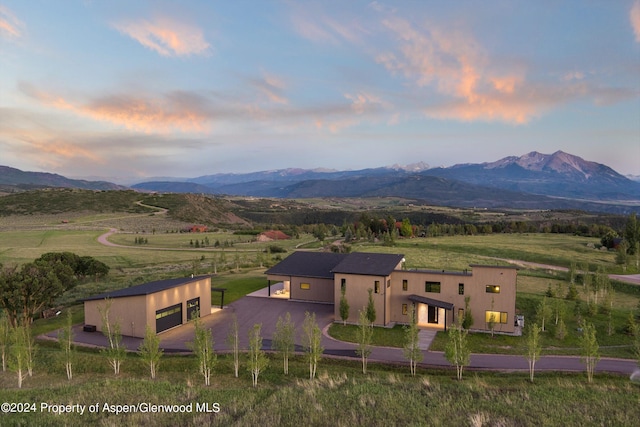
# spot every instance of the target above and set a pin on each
(162, 305)
(437, 295)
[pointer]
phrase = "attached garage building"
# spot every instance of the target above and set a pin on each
(162, 305)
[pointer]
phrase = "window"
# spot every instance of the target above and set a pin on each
(461, 313)
(405, 309)
(343, 284)
(305, 286)
(433, 287)
(405, 284)
(168, 311)
(376, 286)
(460, 288)
(492, 289)
(388, 283)
(498, 316)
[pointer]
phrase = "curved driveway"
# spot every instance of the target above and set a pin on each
(250, 310)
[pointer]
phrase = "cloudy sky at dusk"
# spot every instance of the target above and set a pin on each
(188, 88)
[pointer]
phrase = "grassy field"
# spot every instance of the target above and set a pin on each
(340, 396)
(170, 255)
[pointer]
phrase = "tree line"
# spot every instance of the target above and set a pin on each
(27, 290)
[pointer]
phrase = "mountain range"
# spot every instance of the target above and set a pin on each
(532, 181)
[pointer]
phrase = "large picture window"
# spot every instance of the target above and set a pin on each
(498, 316)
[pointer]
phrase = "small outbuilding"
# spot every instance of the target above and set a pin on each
(162, 305)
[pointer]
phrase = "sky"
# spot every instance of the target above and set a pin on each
(164, 88)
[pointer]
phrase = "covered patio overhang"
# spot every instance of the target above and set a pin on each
(435, 304)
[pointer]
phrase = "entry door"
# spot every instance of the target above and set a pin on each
(432, 314)
(193, 307)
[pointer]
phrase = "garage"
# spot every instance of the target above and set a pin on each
(168, 318)
(159, 305)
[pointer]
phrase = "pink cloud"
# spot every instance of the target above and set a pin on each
(167, 37)
(634, 17)
(176, 111)
(455, 65)
(10, 26)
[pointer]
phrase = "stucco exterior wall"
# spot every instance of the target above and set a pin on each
(179, 294)
(319, 290)
(474, 283)
(135, 312)
(357, 294)
(130, 313)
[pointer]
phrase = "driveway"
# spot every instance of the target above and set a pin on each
(251, 310)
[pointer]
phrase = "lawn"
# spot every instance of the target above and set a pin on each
(385, 337)
(457, 252)
(340, 396)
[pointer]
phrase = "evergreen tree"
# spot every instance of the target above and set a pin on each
(467, 322)
(344, 306)
(371, 308)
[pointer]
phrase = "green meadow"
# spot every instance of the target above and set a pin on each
(340, 396)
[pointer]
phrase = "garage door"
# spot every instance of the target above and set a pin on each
(168, 317)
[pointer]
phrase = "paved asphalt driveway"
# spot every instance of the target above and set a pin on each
(251, 310)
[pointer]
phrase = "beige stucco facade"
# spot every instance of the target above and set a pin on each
(392, 301)
(307, 288)
(135, 312)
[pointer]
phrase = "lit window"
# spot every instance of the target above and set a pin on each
(460, 288)
(492, 289)
(405, 284)
(305, 286)
(433, 287)
(495, 316)
(405, 309)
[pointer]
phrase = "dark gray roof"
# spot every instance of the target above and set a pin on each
(369, 264)
(147, 288)
(431, 301)
(308, 264)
